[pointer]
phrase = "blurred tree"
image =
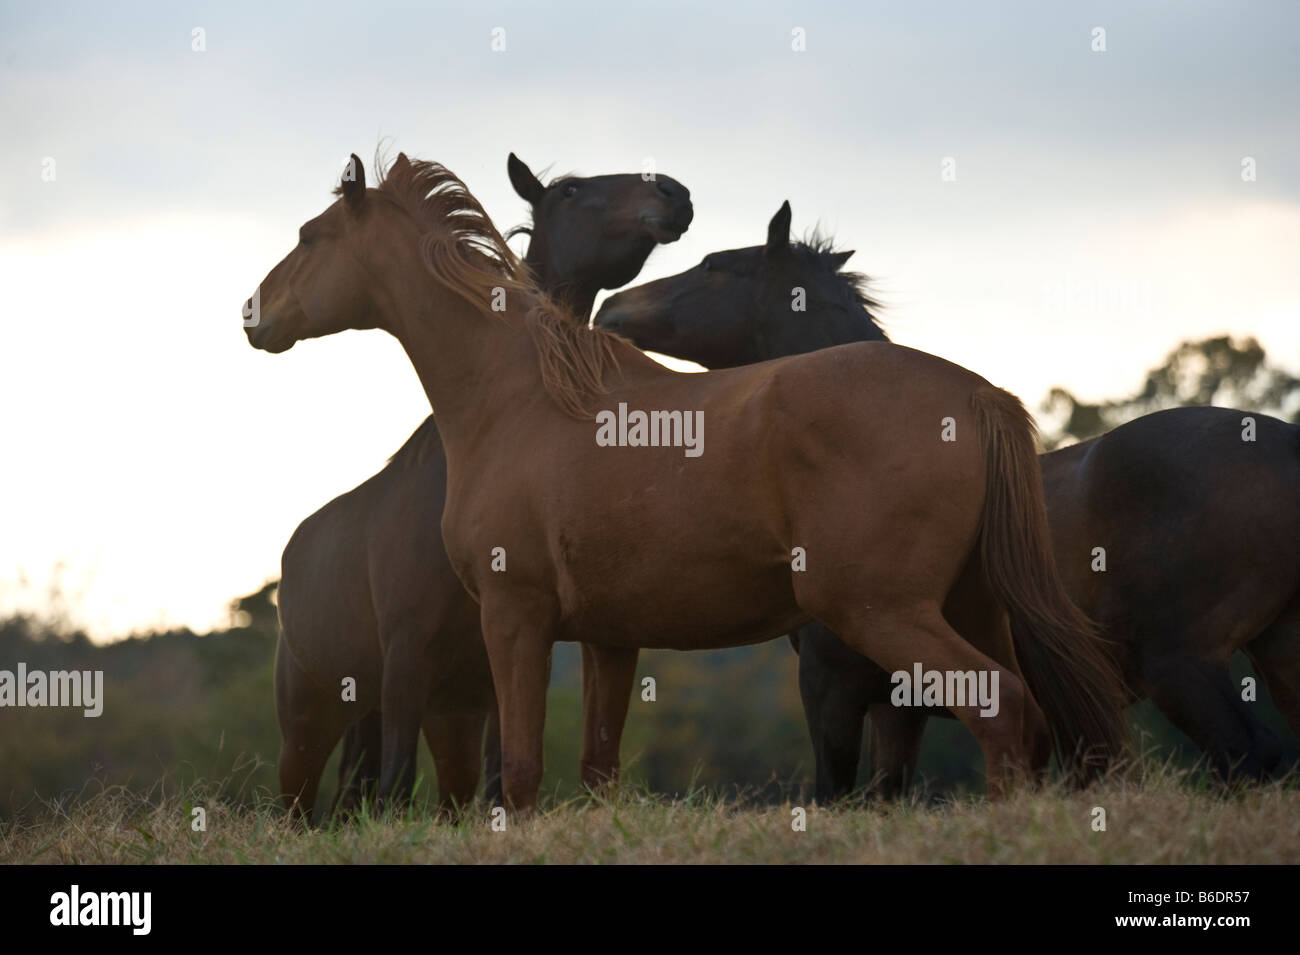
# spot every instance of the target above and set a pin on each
(258, 610)
(1216, 371)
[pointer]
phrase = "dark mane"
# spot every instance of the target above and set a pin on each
(853, 288)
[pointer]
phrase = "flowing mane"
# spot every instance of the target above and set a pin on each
(574, 358)
(463, 250)
(460, 247)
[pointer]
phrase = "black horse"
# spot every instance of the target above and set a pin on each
(1194, 513)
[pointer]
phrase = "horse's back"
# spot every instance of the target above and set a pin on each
(1207, 461)
(784, 440)
(873, 364)
(324, 598)
(327, 603)
(1198, 514)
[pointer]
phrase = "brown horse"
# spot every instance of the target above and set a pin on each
(1199, 526)
(828, 489)
(366, 591)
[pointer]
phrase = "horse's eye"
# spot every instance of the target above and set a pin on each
(706, 265)
(302, 237)
(570, 190)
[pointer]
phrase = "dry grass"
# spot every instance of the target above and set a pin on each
(1164, 818)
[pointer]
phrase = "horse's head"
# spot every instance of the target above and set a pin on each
(596, 233)
(321, 286)
(746, 305)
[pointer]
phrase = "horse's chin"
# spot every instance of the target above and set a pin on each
(661, 229)
(271, 344)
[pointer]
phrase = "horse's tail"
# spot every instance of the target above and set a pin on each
(1065, 661)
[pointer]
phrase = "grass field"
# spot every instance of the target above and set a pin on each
(1164, 817)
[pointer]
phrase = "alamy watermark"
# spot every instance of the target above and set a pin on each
(651, 429)
(946, 688)
(1082, 295)
(78, 688)
(75, 907)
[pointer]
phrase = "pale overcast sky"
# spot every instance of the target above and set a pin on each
(165, 463)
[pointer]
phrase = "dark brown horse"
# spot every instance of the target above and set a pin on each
(828, 489)
(1199, 526)
(366, 591)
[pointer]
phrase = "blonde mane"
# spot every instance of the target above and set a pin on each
(463, 250)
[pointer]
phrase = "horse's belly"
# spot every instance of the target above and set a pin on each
(690, 611)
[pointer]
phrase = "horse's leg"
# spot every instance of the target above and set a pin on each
(518, 634)
(835, 704)
(408, 674)
(492, 758)
(310, 725)
(897, 636)
(348, 795)
(896, 732)
(360, 764)
(977, 615)
(456, 744)
(607, 677)
(1276, 655)
(1198, 697)
(895, 747)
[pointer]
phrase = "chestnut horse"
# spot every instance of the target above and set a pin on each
(858, 485)
(1199, 526)
(366, 591)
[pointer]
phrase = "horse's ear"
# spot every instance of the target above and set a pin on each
(778, 230)
(839, 258)
(528, 186)
(401, 164)
(353, 183)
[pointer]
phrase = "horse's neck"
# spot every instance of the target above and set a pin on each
(574, 296)
(579, 300)
(835, 324)
(853, 323)
(635, 367)
(472, 367)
